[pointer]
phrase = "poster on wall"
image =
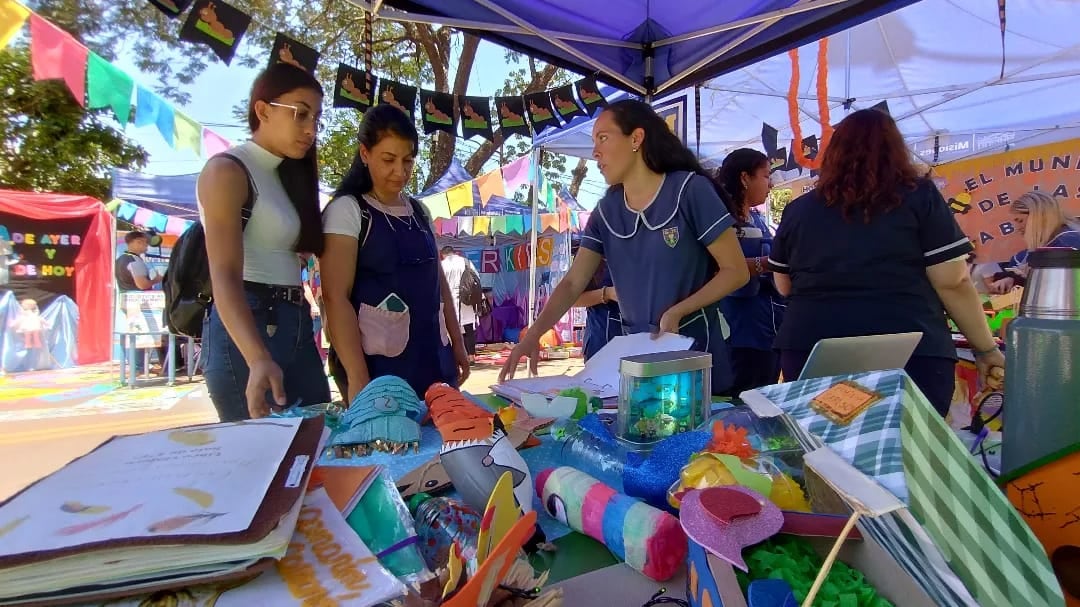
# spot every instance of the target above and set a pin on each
(38, 259)
(979, 192)
(674, 114)
(142, 313)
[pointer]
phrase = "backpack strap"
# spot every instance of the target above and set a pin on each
(365, 221)
(253, 191)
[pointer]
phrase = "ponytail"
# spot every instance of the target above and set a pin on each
(728, 178)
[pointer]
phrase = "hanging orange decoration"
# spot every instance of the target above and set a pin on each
(823, 106)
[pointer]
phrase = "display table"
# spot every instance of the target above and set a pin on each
(132, 342)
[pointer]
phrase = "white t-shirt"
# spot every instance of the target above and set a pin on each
(138, 267)
(454, 268)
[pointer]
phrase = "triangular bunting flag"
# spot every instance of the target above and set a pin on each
(175, 226)
(565, 104)
(158, 221)
(481, 225)
(515, 224)
(188, 134)
(498, 224)
(353, 88)
(214, 144)
(476, 117)
(516, 174)
(12, 17)
(171, 8)
(490, 184)
(296, 53)
(217, 25)
(126, 211)
(541, 114)
(511, 113)
(460, 197)
(54, 54)
(464, 225)
(401, 96)
(108, 86)
(437, 112)
(151, 109)
(564, 220)
(549, 221)
(437, 205)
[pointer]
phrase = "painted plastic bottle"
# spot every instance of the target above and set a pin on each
(441, 521)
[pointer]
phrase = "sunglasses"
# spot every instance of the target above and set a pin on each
(303, 115)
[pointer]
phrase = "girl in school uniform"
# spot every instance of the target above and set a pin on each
(1042, 222)
(389, 308)
(754, 312)
(666, 237)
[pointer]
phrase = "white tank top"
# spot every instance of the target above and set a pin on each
(274, 226)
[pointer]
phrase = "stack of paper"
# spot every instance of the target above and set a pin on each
(600, 377)
(344, 485)
(159, 510)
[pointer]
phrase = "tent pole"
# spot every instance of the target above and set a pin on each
(847, 73)
(537, 156)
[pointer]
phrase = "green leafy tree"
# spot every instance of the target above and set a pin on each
(778, 199)
(49, 142)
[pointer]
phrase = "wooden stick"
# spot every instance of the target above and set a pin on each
(829, 560)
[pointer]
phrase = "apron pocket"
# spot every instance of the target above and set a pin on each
(382, 332)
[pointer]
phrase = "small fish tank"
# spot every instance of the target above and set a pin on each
(663, 394)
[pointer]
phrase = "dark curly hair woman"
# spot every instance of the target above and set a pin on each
(873, 250)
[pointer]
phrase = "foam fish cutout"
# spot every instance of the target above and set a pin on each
(724, 520)
(384, 416)
(501, 514)
(476, 448)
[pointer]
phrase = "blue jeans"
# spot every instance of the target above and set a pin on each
(291, 347)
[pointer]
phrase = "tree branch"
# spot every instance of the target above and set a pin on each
(578, 176)
(426, 37)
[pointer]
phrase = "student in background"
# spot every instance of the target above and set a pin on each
(755, 311)
(1042, 222)
(454, 266)
(131, 271)
(601, 303)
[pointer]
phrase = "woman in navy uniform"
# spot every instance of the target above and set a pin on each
(754, 312)
(665, 234)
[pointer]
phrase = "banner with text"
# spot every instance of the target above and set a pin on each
(39, 256)
(980, 190)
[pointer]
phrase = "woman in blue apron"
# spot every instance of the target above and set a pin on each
(755, 311)
(665, 234)
(388, 305)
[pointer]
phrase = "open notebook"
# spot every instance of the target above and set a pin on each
(154, 510)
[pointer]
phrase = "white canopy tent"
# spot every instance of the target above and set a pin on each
(937, 63)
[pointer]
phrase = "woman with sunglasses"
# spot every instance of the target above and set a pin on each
(388, 304)
(257, 338)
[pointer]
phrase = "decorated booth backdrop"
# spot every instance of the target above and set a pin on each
(60, 246)
(980, 191)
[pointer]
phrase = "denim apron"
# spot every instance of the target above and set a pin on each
(398, 256)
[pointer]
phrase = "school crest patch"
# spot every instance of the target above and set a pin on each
(671, 236)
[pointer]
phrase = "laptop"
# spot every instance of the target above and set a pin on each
(847, 355)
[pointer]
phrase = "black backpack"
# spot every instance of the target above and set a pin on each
(470, 291)
(186, 284)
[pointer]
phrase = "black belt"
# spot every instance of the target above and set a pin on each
(293, 295)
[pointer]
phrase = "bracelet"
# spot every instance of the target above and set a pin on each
(603, 294)
(757, 265)
(979, 353)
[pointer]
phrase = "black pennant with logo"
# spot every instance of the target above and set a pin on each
(565, 104)
(589, 94)
(401, 96)
(353, 88)
(511, 112)
(476, 117)
(437, 112)
(291, 51)
(541, 114)
(171, 8)
(217, 25)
